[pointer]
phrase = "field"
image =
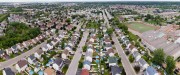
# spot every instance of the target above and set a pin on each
(140, 27)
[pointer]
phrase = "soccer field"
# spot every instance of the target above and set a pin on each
(140, 27)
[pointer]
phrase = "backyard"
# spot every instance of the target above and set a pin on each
(140, 27)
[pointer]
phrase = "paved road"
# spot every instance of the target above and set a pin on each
(14, 60)
(75, 61)
(125, 61)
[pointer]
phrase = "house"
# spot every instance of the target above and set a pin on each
(38, 54)
(8, 51)
(14, 49)
(108, 46)
(84, 72)
(1, 53)
(88, 56)
(112, 61)
(54, 42)
(21, 65)
(32, 59)
(136, 55)
(107, 41)
(151, 71)
(92, 39)
(89, 49)
(65, 54)
(26, 44)
(49, 71)
(110, 52)
(68, 47)
(143, 64)
(50, 46)
(34, 40)
(20, 46)
(115, 70)
(44, 48)
(58, 64)
(8, 71)
(87, 65)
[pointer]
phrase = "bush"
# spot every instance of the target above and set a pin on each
(131, 58)
(127, 52)
(137, 68)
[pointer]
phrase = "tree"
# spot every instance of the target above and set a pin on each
(159, 56)
(62, 44)
(131, 58)
(84, 48)
(68, 20)
(109, 31)
(170, 65)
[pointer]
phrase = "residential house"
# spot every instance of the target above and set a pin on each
(68, 47)
(26, 44)
(50, 46)
(143, 64)
(136, 55)
(49, 71)
(107, 41)
(89, 49)
(85, 72)
(65, 54)
(8, 51)
(38, 54)
(110, 52)
(58, 64)
(8, 71)
(21, 65)
(112, 61)
(151, 71)
(88, 56)
(34, 40)
(20, 46)
(2, 53)
(45, 48)
(87, 65)
(32, 59)
(108, 46)
(14, 49)
(54, 42)
(116, 70)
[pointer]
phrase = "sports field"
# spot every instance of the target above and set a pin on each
(140, 27)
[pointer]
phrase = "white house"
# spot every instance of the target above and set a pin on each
(58, 64)
(151, 71)
(38, 54)
(21, 65)
(50, 46)
(65, 54)
(32, 59)
(136, 55)
(87, 65)
(144, 65)
(45, 48)
(88, 56)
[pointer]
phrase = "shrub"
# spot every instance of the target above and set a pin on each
(137, 68)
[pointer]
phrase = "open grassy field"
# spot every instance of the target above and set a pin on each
(140, 27)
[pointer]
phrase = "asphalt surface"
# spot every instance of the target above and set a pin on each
(125, 61)
(72, 69)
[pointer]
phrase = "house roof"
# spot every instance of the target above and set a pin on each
(84, 72)
(112, 60)
(1, 51)
(58, 61)
(89, 54)
(87, 62)
(65, 52)
(49, 71)
(136, 53)
(22, 63)
(40, 51)
(151, 71)
(32, 57)
(142, 61)
(45, 46)
(116, 70)
(14, 47)
(110, 51)
(8, 71)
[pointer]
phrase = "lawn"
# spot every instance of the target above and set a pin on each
(140, 27)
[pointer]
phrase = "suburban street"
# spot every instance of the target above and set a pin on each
(125, 61)
(77, 56)
(14, 60)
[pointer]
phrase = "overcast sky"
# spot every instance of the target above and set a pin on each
(75, 0)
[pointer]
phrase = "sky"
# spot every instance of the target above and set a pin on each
(75, 0)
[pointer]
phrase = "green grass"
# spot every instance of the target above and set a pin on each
(140, 27)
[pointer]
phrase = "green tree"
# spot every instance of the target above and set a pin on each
(109, 31)
(84, 48)
(159, 56)
(170, 65)
(68, 20)
(131, 58)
